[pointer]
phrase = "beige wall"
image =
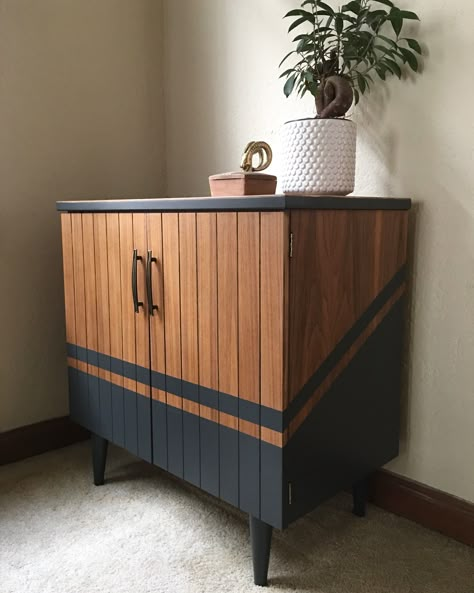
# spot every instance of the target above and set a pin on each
(80, 116)
(415, 139)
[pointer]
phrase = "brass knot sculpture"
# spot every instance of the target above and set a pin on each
(260, 149)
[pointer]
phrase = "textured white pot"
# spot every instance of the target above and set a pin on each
(319, 157)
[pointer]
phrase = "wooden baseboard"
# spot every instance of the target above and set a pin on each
(35, 439)
(429, 507)
(424, 505)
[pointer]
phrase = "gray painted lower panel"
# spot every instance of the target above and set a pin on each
(160, 434)
(175, 441)
(210, 456)
(229, 465)
(191, 449)
(249, 475)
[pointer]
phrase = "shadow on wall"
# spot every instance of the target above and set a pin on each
(412, 145)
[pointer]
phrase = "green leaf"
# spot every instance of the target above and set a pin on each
(322, 5)
(393, 67)
(353, 6)
(339, 24)
(386, 2)
(285, 58)
(410, 58)
(406, 14)
(361, 82)
(289, 85)
(297, 23)
(388, 40)
(356, 96)
(287, 73)
(397, 22)
(381, 70)
(308, 16)
(413, 43)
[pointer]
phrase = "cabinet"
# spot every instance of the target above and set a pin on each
(250, 346)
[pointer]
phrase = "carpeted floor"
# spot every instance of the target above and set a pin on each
(145, 532)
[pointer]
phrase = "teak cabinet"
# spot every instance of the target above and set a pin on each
(250, 346)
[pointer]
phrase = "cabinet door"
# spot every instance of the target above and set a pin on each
(107, 341)
(218, 352)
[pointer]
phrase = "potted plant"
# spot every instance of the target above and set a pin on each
(339, 55)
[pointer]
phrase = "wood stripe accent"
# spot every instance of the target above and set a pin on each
(206, 236)
(102, 289)
(298, 420)
(249, 307)
(172, 305)
(79, 288)
(142, 330)
(68, 270)
(194, 408)
(128, 315)
(274, 298)
(227, 293)
(90, 281)
(115, 287)
(188, 302)
(157, 328)
(171, 282)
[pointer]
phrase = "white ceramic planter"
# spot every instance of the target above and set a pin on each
(319, 157)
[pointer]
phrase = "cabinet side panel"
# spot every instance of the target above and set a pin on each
(157, 335)
(70, 315)
(347, 283)
(115, 326)
(248, 231)
(344, 263)
(142, 341)
(228, 356)
(82, 386)
(171, 275)
(128, 333)
(274, 249)
(189, 347)
(206, 237)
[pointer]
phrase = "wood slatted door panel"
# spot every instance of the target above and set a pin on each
(274, 287)
(81, 390)
(189, 347)
(103, 324)
(172, 307)
(228, 356)
(157, 341)
(248, 250)
(91, 321)
(70, 311)
(115, 327)
(142, 343)
(206, 240)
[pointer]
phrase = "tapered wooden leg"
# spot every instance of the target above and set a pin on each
(261, 536)
(99, 456)
(360, 495)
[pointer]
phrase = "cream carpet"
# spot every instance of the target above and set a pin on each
(145, 532)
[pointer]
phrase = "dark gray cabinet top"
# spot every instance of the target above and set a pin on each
(247, 204)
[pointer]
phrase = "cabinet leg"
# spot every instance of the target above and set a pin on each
(99, 456)
(261, 537)
(360, 495)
